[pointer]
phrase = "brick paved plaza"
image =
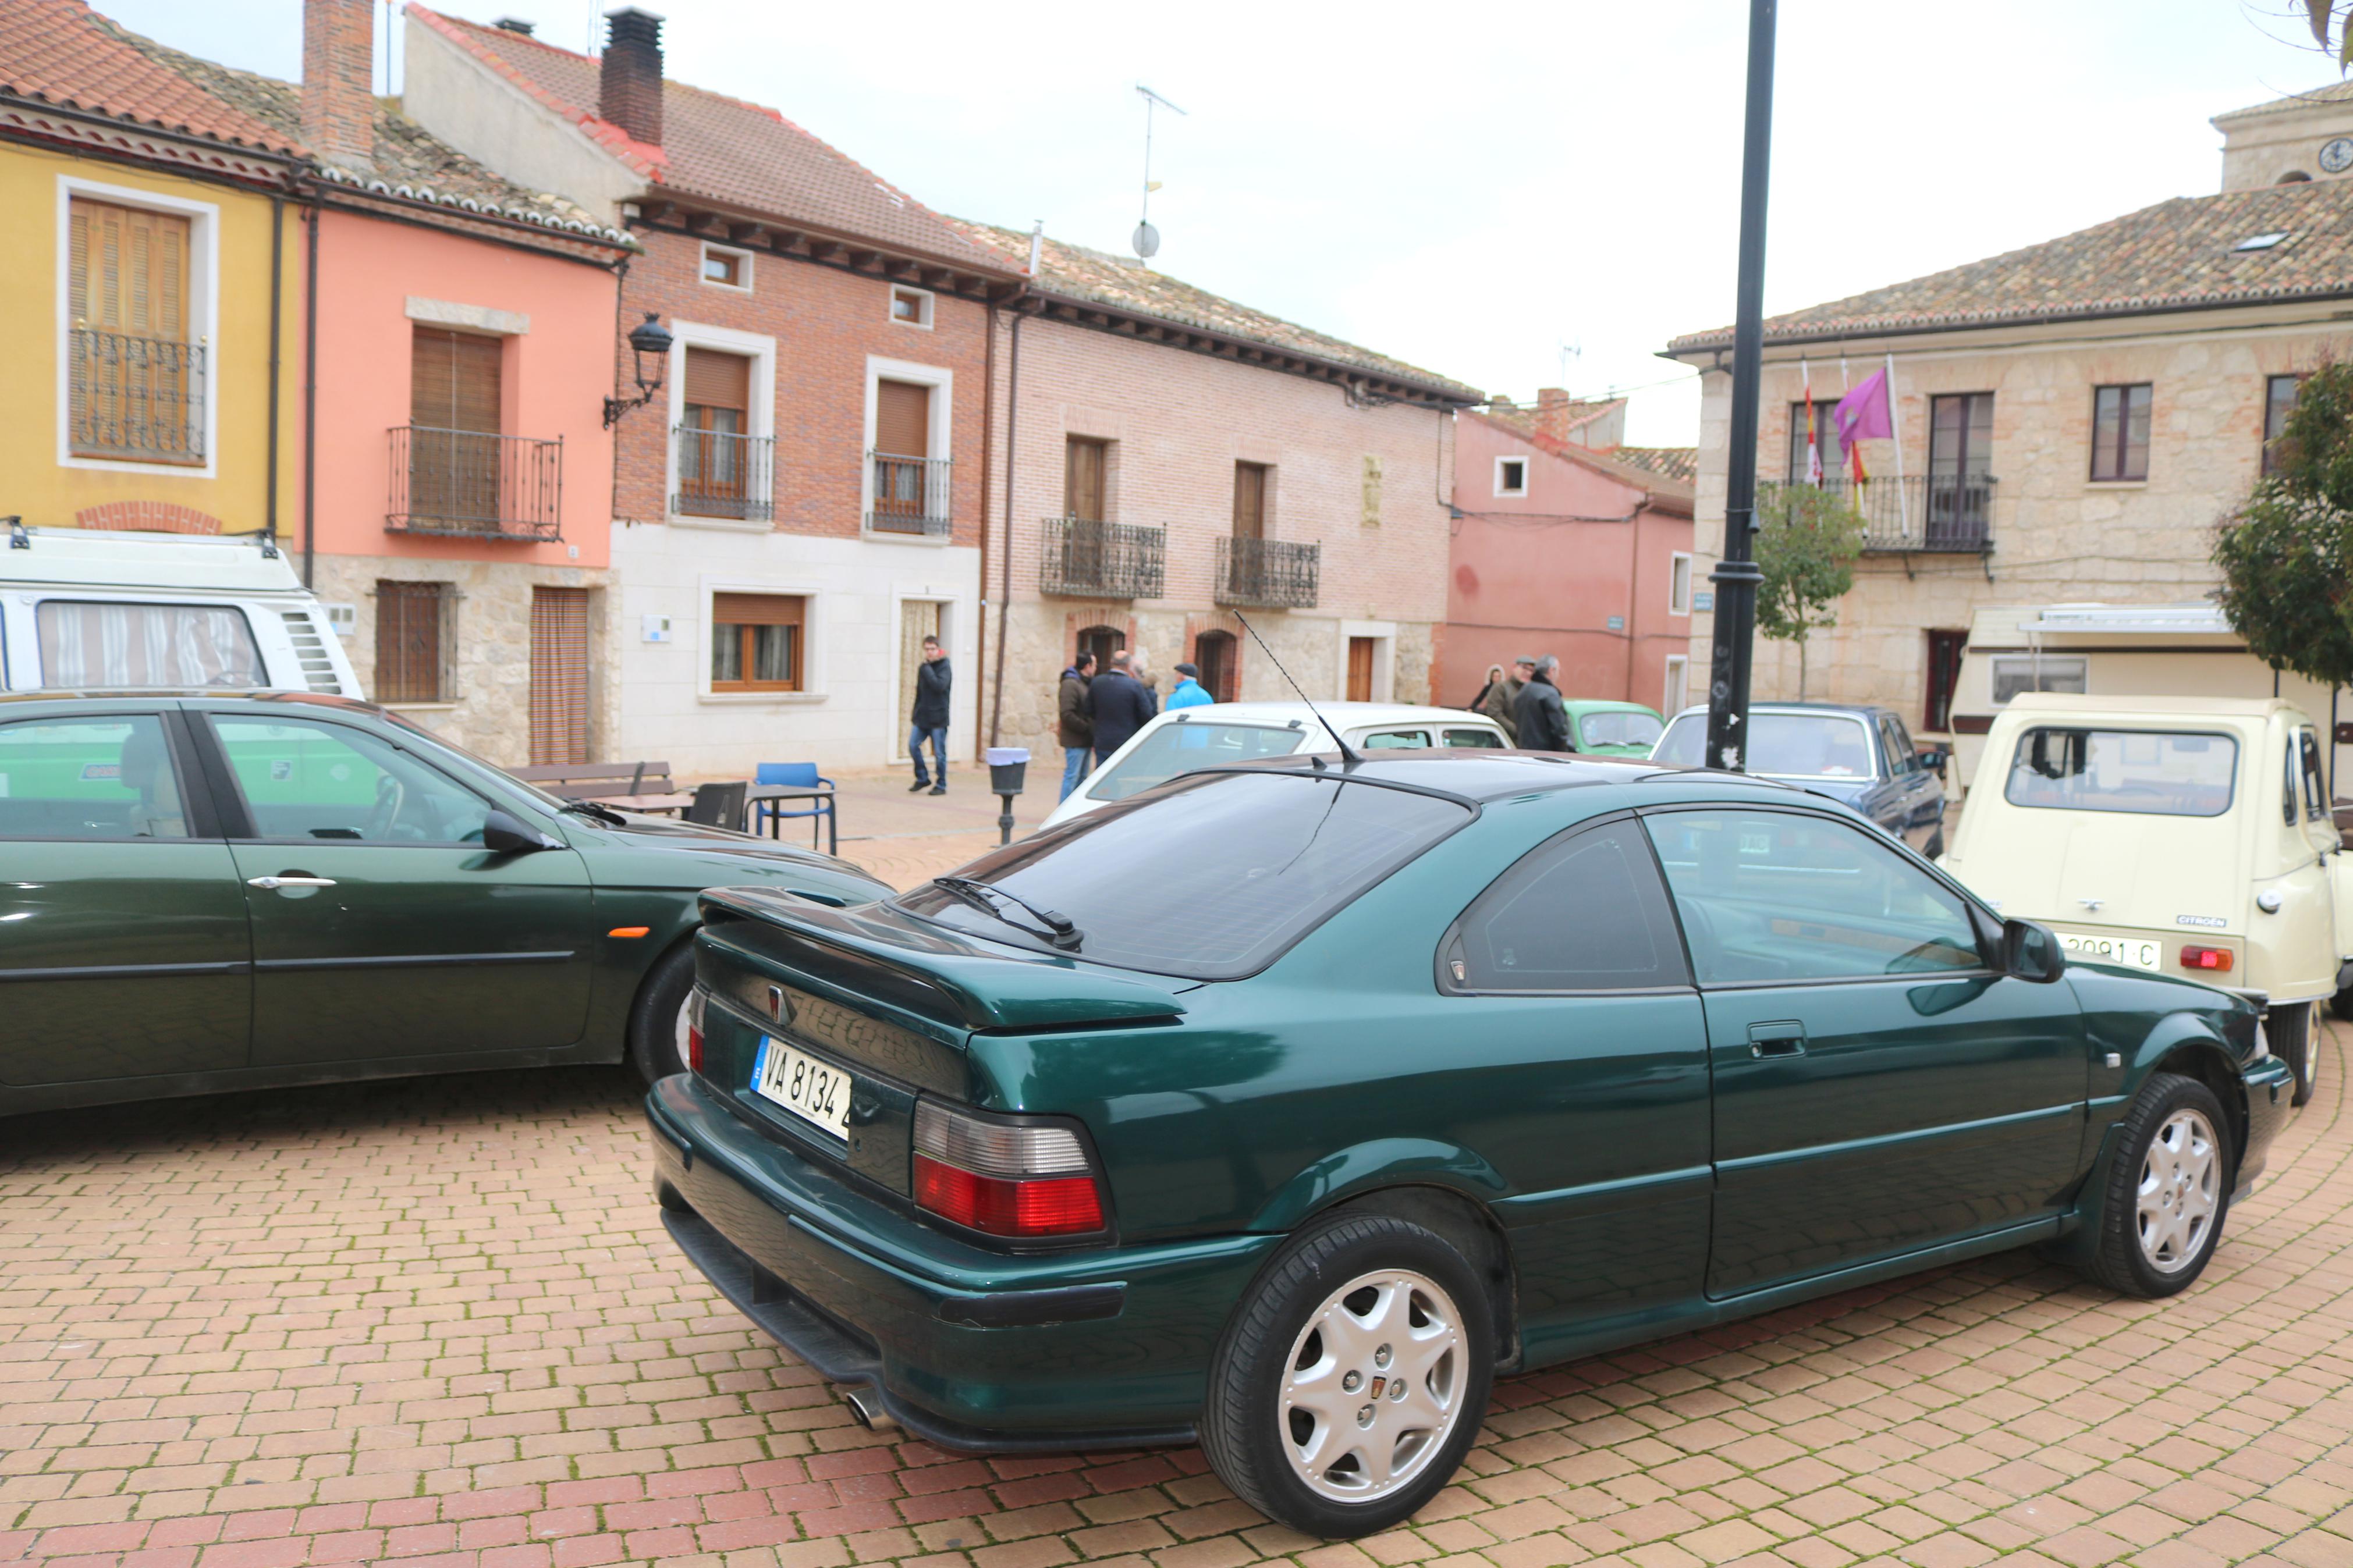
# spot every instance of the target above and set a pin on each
(439, 1323)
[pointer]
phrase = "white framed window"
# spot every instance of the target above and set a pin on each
(1510, 476)
(691, 433)
(2037, 672)
(170, 417)
(904, 493)
(911, 306)
(1676, 691)
(759, 639)
(724, 267)
(1678, 575)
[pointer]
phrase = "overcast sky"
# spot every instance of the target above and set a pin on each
(1472, 186)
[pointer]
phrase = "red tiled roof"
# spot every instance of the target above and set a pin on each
(1680, 464)
(740, 154)
(1075, 272)
(2177, 255)
(1668, 473)
(59, 53)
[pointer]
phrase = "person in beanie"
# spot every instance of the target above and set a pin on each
(1542, 722)
(1075, 728)
(930, 718)
(1502, 703)
(1189, 692)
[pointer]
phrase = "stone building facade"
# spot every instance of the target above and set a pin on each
(2073, 420)
(1176, 458)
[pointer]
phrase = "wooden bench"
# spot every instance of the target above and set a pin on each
(639, 786)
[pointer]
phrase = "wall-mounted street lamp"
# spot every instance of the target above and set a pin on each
(648, 339)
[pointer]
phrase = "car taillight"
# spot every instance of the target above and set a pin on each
(2217, 959)
(1018, 1179)
(694, 1031)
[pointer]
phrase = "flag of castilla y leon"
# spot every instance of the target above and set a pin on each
(1863, 414)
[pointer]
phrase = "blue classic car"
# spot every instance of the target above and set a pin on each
(1859, 756)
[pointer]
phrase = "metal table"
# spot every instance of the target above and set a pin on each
(760, 791)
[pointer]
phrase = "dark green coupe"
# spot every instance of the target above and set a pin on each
(1285, 1104)
(202, 891)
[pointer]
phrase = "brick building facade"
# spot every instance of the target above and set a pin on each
(1176, 458)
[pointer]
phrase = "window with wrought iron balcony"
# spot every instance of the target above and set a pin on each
(454, 471)
(1083, 556)
(1254, 571)
(135, 381)
(723, 470)
(909, 492)
(1948, 511)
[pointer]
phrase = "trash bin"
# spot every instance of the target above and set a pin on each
(1008, 767)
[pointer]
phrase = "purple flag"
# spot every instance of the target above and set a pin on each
(1864, 414)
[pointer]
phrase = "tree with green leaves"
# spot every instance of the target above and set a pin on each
(2287, 554)
(1806, 550)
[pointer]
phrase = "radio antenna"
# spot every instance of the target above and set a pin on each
(1346, 756)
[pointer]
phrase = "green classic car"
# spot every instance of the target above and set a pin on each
(203, 891)
(1284, 1105)
(1613, 729)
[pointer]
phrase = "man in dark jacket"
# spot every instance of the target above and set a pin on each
(930, 718)
(1541, 723)
(1075, 728)
(1119, 704)
(1504, 700)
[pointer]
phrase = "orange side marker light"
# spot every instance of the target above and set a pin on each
(631, 930)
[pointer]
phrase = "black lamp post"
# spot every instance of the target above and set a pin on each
(1737, 575)
(648, 339)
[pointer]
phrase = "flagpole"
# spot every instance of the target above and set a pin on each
(1895, 433)
(1736, 575)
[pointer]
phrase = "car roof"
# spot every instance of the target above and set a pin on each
(1482, 774)
(1348, 715)
(2152, 707)
(187, 693)
(1851, 709)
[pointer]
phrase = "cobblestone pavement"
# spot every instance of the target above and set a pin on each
(437, 1322)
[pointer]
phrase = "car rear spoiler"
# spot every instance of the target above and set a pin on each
(874, 952)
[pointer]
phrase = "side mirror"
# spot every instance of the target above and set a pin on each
(1934, 758)
(2028, 951)
(505, 835)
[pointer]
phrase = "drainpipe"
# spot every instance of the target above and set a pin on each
(277, 306)
(1004, 576)
(987, 451)
(310, 401)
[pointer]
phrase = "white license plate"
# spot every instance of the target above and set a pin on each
(2135, 952)
(816, 1091)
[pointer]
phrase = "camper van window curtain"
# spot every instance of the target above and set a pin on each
(94, 645)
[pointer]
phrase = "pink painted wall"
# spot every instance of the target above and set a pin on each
(1525, 575)
(553, 379)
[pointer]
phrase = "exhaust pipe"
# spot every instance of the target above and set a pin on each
(866, 1409)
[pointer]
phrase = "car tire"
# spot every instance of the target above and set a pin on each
(2342, 1003)
(1285, 1397)
(657, 1022)
(2290, 1031)
(2167, 1190)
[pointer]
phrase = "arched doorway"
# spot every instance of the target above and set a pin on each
(1103, 642)
(1213, 655)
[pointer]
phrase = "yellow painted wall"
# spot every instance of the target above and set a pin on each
(47, 494)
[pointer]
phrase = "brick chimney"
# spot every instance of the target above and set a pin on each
(338, 81)
(1553, 406)
(630, 92)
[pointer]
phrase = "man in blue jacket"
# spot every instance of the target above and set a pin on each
(1189, 692)
(1120, 705)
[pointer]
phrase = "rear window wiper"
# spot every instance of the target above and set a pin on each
(1060, 932)
(590, 808)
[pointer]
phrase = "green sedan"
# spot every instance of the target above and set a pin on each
(207, 892)
(1613, 729)
(1286, 1104)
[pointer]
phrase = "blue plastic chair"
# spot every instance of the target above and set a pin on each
(797, 775)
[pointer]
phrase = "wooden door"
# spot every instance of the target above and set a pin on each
(559, 676)
(712, 467)
(1249, 500)
(902, 441)
(1360, 669)
(454, 394)
(1084, 459)
(1213, 655)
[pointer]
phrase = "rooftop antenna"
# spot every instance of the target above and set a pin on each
(1146, 238)
(1569, 352)
(1346, 756)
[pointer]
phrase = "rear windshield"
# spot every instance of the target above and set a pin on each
(2143, 771)
(1619, 729)
(1211, 878)
(1780, 745)
(1175, 749)
(118, 644)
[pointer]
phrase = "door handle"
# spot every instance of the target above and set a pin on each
(288, 879)
(1784, 1038)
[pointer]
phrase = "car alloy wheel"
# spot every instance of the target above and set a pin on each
(2179, 1194)
(1375, 1385)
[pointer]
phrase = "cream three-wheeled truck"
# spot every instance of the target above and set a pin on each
(2177, 835)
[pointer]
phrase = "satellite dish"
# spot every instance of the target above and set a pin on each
(1145, 241)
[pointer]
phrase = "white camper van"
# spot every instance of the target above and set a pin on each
(85, 609)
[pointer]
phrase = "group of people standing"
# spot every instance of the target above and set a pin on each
(1098, 711)
(1525, 704)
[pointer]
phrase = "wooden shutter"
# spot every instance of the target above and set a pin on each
(454, 381)
(130, 270)
(755, 610)
(715, 380)
(410, 664)
(903, 419)
(1249, 500)
(559, 676)
(1083, 460)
